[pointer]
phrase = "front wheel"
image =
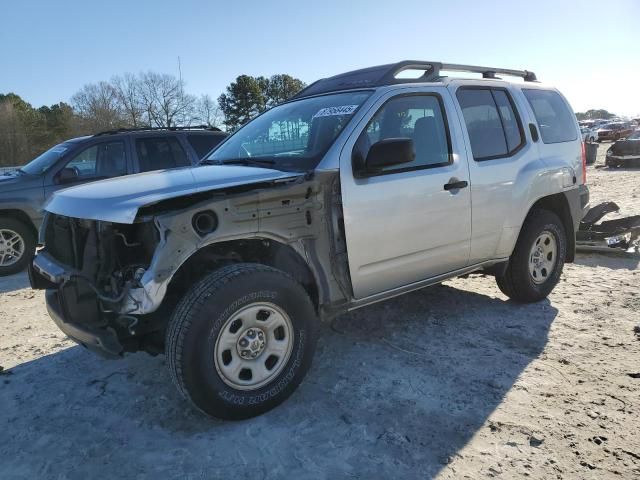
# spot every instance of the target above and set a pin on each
(241, 340)
(17, 245)
(536, 263)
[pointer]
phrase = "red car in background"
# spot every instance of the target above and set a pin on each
(614, 131)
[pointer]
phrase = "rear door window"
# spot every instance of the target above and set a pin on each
(492, 122)
(112, 160)
(555, 121)
(203, 144)
(509, 121)
(160, 153)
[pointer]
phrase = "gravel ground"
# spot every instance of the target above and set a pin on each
(450, 382)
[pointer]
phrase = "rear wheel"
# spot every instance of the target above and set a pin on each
(241, 340)
(537, 260)
(17, 245)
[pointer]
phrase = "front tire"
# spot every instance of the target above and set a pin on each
(240, 342)
(536, 263)
(17, 246)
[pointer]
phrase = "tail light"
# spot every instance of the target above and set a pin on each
(584, 164)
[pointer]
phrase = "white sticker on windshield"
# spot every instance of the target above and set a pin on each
(341, 110)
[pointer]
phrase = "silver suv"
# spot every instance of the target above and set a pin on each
(364, 186)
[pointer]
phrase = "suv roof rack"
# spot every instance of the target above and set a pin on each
(153, 129)
(386, 75)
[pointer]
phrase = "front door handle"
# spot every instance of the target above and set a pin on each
(455, 185)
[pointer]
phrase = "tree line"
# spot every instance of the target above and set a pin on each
(594, 114)
(144, 100)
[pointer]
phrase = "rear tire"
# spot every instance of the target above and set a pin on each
(17, 246)
(240, 342)
(536, 263)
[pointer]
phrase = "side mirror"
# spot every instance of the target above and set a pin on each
(385, 153)
(66, 175)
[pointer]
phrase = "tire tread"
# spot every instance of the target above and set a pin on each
(183, 315)
(511, 283)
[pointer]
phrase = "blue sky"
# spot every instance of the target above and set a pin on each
(49, 49)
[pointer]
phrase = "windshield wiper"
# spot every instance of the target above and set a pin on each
(239, 161)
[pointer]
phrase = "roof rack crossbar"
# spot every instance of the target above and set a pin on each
(153, 129)
(388, 75)
(490, 72)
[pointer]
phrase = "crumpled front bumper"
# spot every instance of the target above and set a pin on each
(621, 233)
(622, 160)
(100, 340)
(44, 274)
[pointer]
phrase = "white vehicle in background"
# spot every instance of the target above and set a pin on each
(589, 133)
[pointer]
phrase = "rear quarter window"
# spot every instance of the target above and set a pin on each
(555, 121)
(203, 144)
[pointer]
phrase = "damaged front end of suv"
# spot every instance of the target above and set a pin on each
(120, 255)
(112, 286)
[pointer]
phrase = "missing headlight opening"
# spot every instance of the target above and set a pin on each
(205, 222)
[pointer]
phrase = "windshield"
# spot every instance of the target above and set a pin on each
(634, 136)
(292, 136)
(40, 164)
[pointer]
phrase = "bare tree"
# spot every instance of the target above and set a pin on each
(128, 89)
(207, 112)
(163, 100)
(98, 105)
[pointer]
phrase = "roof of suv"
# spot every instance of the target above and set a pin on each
(382, 75)
(198, 128)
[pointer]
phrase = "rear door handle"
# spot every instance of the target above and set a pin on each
(456, 185)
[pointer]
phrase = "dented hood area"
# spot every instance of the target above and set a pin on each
(119, 199)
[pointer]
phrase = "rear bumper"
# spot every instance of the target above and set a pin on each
(100, 340)
(583, 191)
(578, 201)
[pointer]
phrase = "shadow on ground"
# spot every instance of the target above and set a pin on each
(615, 260)
(14, 282)
(395, 391)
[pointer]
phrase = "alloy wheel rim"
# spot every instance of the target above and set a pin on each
(11, 247)
(543, 257)
(253, 346)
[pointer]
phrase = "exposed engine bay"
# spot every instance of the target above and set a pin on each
(127, 278)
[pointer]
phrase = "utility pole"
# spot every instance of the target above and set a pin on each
(181, 93)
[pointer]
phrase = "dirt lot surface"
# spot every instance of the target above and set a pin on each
(449, 382)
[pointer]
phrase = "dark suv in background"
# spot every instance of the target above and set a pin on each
(23, 192)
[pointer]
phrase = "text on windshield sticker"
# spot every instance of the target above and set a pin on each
(341, 110)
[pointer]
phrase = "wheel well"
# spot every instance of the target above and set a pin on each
(559, 205)
(22, 217)
(263, 251)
